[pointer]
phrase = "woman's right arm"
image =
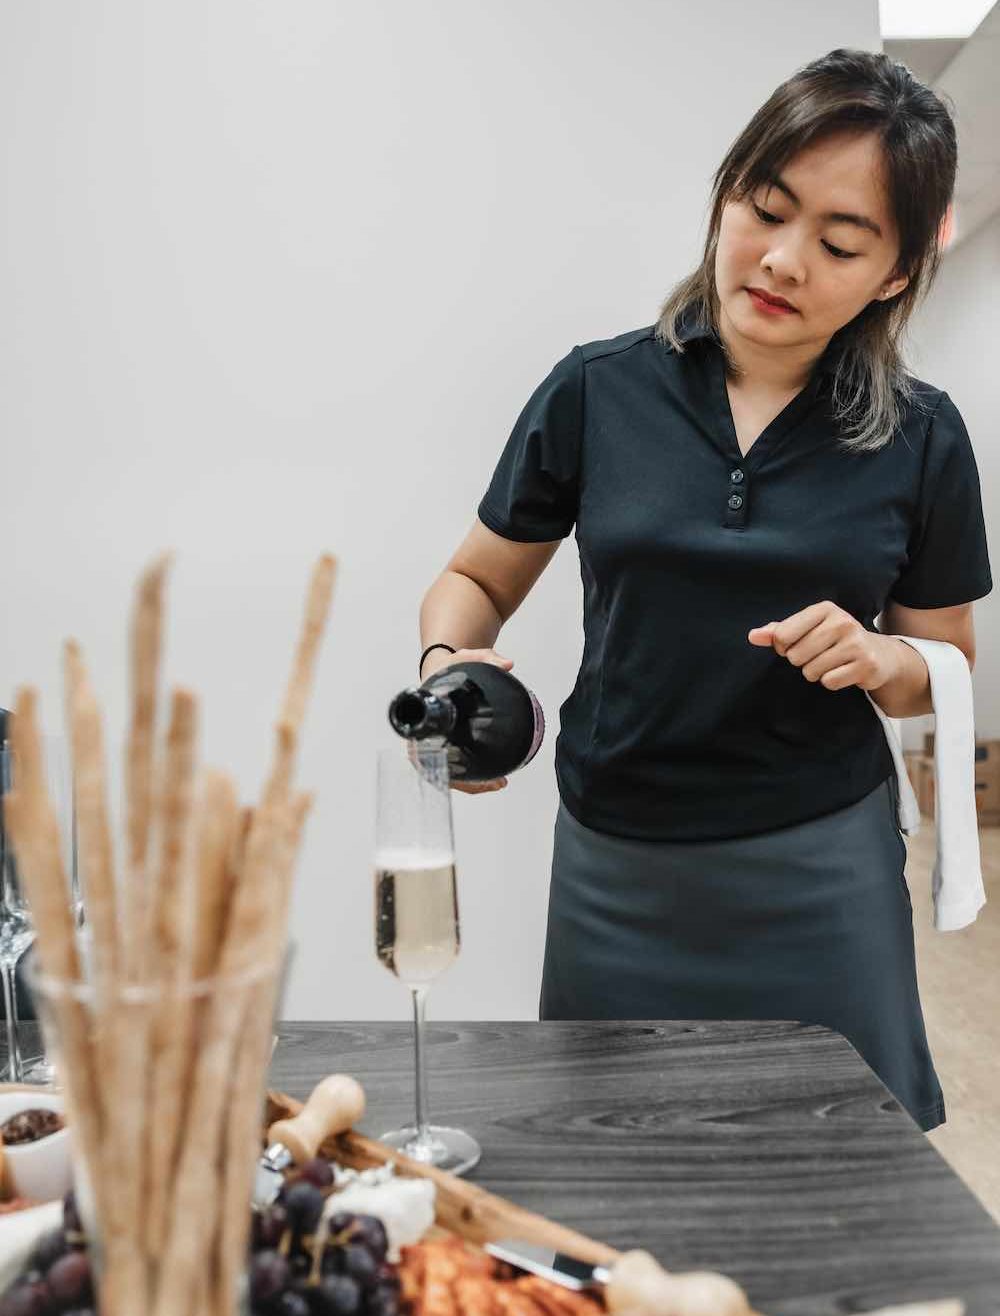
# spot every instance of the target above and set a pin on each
(486, 580)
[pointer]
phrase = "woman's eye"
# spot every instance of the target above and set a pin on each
(765, 216)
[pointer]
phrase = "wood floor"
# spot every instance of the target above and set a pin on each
(958, 975)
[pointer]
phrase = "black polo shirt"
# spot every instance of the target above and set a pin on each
(678, 727)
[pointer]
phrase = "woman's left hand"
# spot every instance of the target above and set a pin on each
(832, 647)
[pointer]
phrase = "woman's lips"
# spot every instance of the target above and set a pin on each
(769, 308)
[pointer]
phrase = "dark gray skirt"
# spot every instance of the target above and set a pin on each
(810, 922)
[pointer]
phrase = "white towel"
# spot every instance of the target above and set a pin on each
(957, 880)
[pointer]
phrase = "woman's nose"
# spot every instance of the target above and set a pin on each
(784, 261)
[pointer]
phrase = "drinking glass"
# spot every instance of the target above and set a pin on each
(416, 917)
(17, 930)
(166, 1234)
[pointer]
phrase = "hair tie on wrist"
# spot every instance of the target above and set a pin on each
(420, 669)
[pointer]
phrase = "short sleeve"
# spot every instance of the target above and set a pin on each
(534, 493)
(947, 557)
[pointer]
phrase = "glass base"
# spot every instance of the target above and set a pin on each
(39, 1069)
(449, 1149)
(35, 1069)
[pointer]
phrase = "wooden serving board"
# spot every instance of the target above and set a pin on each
(482, 1217)
(465, 1209)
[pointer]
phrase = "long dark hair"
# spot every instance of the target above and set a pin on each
(846, 91)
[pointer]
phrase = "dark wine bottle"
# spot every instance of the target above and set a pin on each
(490, 723)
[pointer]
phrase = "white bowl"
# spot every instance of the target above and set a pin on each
(42, 1170)
(19, 1232)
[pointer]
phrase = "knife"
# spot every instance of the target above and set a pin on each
(332, 1107)
(570, 1272)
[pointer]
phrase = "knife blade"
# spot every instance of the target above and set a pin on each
(332, 1107)
(560, 1267)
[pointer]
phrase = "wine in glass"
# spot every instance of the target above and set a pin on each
(416, 917)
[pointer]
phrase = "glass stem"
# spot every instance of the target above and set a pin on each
(419, 1004)
(15, 1071)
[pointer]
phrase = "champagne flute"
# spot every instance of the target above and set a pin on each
(416, 917)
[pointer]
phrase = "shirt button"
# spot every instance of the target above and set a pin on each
(736, 477)
(735, 501)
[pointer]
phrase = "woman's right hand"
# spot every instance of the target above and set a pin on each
(439, 658)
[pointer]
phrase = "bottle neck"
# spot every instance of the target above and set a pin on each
(417, 714)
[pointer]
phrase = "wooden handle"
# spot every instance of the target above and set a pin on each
(333, 1106)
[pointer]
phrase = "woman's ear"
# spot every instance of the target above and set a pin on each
(892, 287)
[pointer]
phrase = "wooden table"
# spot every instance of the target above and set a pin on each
(765, 1150)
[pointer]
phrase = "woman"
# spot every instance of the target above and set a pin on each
(753, 480)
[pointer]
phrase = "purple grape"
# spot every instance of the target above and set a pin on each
(27, 1299)
(359, 1263)
(305, 1290)
(292, 1304)
(70, 1280)
(384, 1302)
(370, 1231)
(332, 1262)
(269, 1227)
(304, 1204)
(317, 1172)
(300, 1264)
(339, 1295)
(341, 1220)
(49, 1248)
(269, 1274)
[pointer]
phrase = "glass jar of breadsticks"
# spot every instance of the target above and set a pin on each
(161, 1024)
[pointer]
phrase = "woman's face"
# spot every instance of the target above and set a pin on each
(786, 239)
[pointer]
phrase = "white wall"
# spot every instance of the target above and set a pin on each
(276, 278)
(955, 345)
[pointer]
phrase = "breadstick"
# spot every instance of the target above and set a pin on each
(173, 924)
(173, 888)
(128, 1079)
(243, 1128)
(220, 837)
(192, 1223)
(196, 1188)
(300, 683)
(96, 851)
(35, 830)
(241, 1140)
(146, 635)
(260, 907)
(218, 829)
(33, 827)
(124, 1265)
(253, 902)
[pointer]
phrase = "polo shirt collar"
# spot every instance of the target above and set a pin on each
(690, 328)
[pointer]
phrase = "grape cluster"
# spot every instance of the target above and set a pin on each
(301, 1265)
(57, 1278)
(297, 1267)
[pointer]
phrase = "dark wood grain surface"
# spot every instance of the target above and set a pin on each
(765, 1150)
